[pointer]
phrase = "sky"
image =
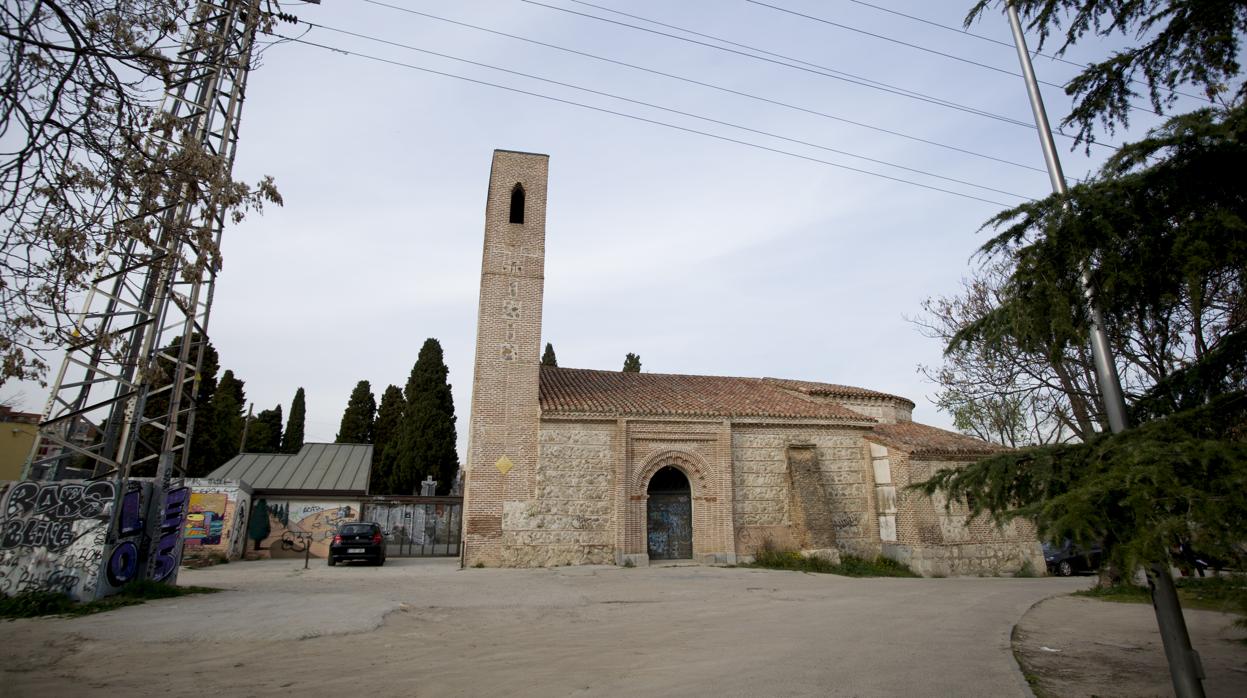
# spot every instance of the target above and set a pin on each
(700, 254)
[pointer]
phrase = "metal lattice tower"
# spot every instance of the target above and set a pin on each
(123, 380)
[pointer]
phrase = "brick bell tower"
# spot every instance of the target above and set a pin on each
(502, 437)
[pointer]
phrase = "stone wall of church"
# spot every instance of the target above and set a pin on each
(571, 520)
(766, 507)
(934, 538)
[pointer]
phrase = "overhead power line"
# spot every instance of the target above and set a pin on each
(642, 119)
(795, 64)
(918, 47)
(980, 37)
(712, 86)
(669, 110)
(821, 70)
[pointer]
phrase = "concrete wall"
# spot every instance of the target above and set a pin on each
(54, 536)
(216, 519)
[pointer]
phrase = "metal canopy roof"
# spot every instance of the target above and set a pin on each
(337, 468)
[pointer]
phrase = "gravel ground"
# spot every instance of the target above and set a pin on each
(424, 627)
(1086, 647)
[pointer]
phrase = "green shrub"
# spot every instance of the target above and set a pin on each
(1026, 570)
(32, 604)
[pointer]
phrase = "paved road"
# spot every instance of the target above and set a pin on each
(424, 627)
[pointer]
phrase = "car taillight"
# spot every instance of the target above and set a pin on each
(376, 538)
(337, 540)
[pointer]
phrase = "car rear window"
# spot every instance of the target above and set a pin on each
(356, 529)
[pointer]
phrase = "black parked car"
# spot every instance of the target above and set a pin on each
(358, 540)
(1066, 559)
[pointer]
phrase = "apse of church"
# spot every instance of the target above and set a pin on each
(579, 466)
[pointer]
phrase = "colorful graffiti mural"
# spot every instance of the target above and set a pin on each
(54, 536)
(206, 520)
(216, 519)
(298, 521)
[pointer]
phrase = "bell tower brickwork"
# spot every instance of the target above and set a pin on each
(503, 432)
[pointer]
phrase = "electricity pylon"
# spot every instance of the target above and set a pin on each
(152, 289)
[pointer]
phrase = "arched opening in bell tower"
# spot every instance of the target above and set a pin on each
(517, 204)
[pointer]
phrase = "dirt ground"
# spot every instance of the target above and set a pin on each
(427, 628)
(1077, 646)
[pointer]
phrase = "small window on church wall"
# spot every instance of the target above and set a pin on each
(517, 204)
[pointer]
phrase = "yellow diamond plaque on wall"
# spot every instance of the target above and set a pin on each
(504, 464)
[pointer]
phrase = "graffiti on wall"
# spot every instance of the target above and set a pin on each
(54, 537)
(216, 519)
(206, 521)
(295, 521)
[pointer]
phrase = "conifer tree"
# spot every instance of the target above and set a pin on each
(258, 527)
(548, 358)
(632, 363)
(292, 440)
(264, 432)
(358, 418)
(425, 445)
(220, 435)
(157, 404)
(384, 431)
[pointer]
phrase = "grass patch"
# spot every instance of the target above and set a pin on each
(770, 558)
(33, 604)
(1223, 594)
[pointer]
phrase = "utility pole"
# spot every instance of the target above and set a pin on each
(246, 424)
(1185, 669)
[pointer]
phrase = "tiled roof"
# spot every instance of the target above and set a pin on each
(922, 440)
(833, 390)
(586, 391)
(316, 467)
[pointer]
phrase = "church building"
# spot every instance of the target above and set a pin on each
(574, 466)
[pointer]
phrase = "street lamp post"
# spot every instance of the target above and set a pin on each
(1184, 665)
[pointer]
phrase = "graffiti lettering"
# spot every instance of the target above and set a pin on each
(842, 521)
(123, 565)
(169, 550)
(37, 533)
(58, 501)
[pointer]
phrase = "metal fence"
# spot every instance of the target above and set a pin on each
(418, 526)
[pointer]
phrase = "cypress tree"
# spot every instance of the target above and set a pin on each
(264, 432)
(359, 416)
(258, 527)
(292, 440)
(426, 441)
(632, 363)
(218, 432)
(384, 431)
(157, 404)
(548, 358)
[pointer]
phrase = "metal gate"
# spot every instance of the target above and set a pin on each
(418, 526)
(670, 529)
